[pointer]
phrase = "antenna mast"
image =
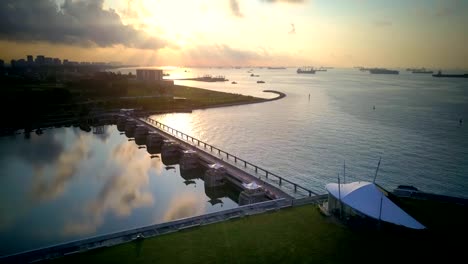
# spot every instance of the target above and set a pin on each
(339, 196)
(344, 172)
(377, 170)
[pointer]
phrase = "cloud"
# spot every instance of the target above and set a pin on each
(382, 23)
(221, 54)
(293, 29)
(235, 8)
(79, 22)
(285, 1)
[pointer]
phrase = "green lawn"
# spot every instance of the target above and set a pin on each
(193, 98)
(296, 235)
(205, 98)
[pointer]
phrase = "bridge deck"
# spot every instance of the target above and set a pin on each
(236, 175)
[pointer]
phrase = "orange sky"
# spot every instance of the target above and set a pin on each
(344, 33)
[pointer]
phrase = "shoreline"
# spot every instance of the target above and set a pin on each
(77, 109)
(281, 95)
(261, 100)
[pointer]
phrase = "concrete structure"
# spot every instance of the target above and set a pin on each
(130, 125)
(209, 154)
(153, 139)
(170, 148)
(215, 175)
(189, 160)
(252, 193)
(117, 238)
(121, 123)
(149, 75)
(141, 133)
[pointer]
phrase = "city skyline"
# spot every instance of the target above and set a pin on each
(240, 33)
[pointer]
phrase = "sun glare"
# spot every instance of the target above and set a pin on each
(181, 121)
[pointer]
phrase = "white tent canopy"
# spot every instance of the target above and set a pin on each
(368, 199)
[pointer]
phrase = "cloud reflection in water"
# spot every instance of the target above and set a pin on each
(66, 166)
(185, 205)
(122, 191)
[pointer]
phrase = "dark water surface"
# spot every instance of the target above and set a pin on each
(68, 184)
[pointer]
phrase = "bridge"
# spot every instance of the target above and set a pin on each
(236, 166)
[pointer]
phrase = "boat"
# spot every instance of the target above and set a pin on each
(422, 70)
(321, 69)
(253, 75)
(309, 70)
(209, 78)
(260, 82)
(234, 82)
(382, 71)
(440, 74)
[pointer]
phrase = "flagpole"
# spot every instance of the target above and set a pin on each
(344, 172)
(339, 195)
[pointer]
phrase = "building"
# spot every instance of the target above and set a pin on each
(30, 60)
(48, 61)
(40, 60)
(149, 75)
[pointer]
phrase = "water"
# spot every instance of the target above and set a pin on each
(68, 184)
(414, 127)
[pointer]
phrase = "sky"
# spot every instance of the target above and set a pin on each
(346, 33)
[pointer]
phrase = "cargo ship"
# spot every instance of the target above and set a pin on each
(308, 70)
(383, 71)
(422, 70)
(440, 74)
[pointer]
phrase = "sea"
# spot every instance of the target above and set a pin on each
(68, 184)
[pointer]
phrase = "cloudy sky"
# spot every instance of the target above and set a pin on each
(398, 33)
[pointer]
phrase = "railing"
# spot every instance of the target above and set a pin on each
(228, 155)
(147, 231)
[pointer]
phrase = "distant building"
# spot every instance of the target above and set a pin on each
(149, 75)
(48, 61)
(57, 61)
(30, 59)
(40, 60)
(2, 64)
(21, 63)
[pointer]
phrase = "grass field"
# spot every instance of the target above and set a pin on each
(295, 235)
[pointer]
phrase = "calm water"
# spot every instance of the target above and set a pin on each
(68, 184)
(414, 127)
